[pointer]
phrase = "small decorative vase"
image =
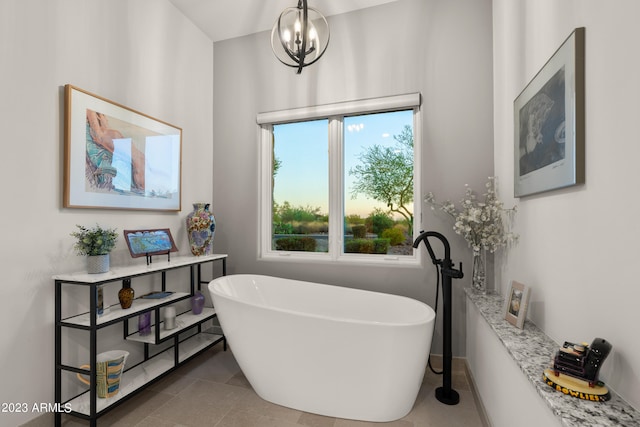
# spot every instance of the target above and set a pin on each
(197, 303)
(125, 296)
(97, 264)
(144, 323)
(479, 275)
(169, 318)
(201, 226)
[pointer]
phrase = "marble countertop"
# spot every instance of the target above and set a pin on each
(533, 350)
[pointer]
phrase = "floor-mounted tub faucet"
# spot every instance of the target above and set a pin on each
(444, 394)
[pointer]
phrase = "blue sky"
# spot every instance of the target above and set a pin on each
(302, 148)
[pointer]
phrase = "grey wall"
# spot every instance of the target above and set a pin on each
(440, 48)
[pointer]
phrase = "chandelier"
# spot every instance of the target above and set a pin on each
(300, 36)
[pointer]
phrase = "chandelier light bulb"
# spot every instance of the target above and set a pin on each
(297, 27)
(313, 37)
(286, 36)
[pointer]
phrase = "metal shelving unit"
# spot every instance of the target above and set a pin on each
(181, 349)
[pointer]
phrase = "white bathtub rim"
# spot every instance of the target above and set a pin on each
(428, 318)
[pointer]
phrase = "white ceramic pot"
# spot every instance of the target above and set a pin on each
(97, 264)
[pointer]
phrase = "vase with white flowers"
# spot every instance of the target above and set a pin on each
(480, 221)
(96, 243)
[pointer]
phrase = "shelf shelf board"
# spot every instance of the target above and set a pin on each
(140, 375)
(115, 312)
(195, 344)
(123, 272)
(183, 321)
(131, 381)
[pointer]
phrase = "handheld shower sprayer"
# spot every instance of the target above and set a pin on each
(444, 394)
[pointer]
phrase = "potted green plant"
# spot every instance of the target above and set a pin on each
(96, 243)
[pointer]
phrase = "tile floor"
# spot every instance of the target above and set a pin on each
(211, 390)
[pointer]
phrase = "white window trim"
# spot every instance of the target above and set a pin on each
(364, 106)
(334, 113)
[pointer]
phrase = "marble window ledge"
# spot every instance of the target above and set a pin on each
(532, 350)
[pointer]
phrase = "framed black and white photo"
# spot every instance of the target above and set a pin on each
(549, 123)
(516, 302)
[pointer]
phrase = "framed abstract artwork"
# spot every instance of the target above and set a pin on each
(118, 158)
(549, 117)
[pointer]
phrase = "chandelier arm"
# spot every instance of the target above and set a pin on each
(325, 46)
(303, 47)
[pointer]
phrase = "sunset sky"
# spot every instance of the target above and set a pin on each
(302, 148)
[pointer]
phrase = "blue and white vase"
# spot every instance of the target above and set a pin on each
(201, 227)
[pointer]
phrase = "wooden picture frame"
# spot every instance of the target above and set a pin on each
(516, 304)
(549, 122)
(149, 242)
(118, 158)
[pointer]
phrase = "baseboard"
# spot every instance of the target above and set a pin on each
(460, 364)
(476, 396)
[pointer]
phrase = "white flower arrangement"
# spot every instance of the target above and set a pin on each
(479, 222)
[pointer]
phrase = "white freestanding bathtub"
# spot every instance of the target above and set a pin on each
(325, 349)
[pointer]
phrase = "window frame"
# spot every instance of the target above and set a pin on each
(335, 114)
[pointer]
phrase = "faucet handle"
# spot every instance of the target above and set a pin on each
(460, 272)
(453, 273)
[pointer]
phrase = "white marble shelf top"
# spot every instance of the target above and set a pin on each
(533, 350)
(119, 272)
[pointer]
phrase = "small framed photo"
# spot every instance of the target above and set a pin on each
(516, 302)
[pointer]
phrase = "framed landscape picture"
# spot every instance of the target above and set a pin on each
(118, 158)
(149, 242)
(549, 123)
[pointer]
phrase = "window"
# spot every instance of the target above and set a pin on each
(300, 186)
(339, 182)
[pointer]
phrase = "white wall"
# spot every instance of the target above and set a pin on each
(441, 48)
(507, 396)
(143, 54)
(579, 246)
